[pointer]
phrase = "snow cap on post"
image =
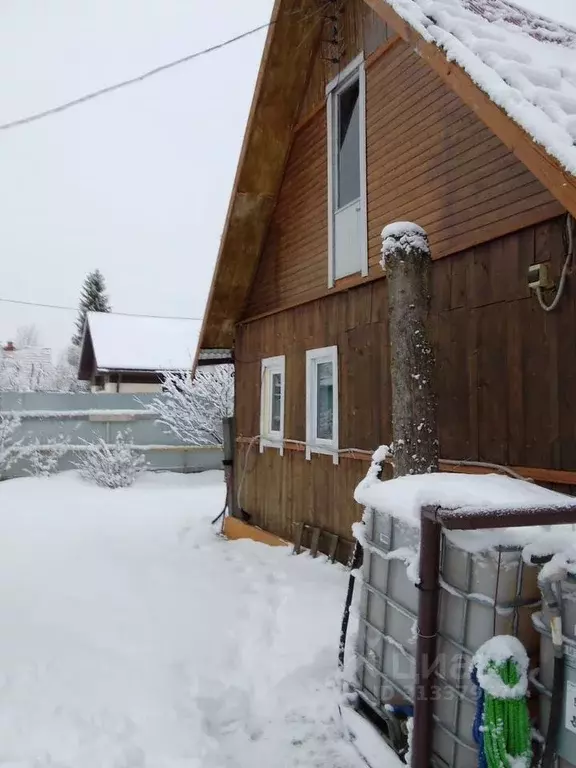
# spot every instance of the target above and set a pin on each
(408, 263)
(403, 237)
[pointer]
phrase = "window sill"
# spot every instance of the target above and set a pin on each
(327, 450)
(348, 281)
(272, 442)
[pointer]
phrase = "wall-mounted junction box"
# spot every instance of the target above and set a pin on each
(539, 277)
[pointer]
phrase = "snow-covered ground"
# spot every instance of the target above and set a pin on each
(134, 637)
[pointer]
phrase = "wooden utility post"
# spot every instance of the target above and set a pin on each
(407, 261)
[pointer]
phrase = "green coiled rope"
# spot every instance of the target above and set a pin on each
(506, 722)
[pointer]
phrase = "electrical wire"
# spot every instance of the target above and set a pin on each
(244, 468)
(485, 465)
(565, 267)
(75, 309)
(130, 81)
(390, 460)
(155, 71)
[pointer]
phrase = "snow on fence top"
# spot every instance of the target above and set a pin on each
(524, 62)
(403, 497)
(127, 343)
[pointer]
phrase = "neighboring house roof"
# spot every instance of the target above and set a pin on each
(125, 343)
(25, 368)
(516, 70)
(29, 357)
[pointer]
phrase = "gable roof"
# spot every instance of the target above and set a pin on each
(128, 343)
(516, 70)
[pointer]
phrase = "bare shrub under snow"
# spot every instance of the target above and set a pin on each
(44, 458)
(193, 409)
(110, 466)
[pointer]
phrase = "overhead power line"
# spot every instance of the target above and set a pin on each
(131, 81)
(75, 309)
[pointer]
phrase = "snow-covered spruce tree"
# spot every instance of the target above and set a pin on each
(110, 466)
(44, 458)
(10, 448)
(193, 409)
(93, 298)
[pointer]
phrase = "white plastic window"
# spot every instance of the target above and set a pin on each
(272, 403)
(347, 222)
(322, 401)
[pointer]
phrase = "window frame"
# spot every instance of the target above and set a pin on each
(355, 70)
(270, 438)
(315, 444)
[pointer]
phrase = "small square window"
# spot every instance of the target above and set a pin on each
(322, 402)
(272, 403)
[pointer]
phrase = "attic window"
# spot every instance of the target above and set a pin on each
(347, 223)
(348, 154)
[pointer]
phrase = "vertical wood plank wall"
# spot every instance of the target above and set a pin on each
(429, 159)
(506, 378)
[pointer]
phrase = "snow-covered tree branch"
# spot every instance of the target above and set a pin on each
(193, 410)
(10, 448)
(27, 336)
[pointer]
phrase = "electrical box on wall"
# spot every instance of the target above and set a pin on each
(539, 277)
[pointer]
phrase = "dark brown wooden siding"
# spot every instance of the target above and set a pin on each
(506, 378)
(429, 160)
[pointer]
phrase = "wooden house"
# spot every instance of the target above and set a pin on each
(458, 116)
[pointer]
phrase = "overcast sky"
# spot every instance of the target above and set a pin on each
(561, 10)
(136, 183)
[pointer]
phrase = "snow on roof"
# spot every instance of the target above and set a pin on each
(524, 62)
(126, 343)
(29, 356)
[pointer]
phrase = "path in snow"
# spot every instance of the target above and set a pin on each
(133, 637)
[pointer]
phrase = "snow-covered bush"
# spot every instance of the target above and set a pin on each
(44, 458)
(10, 449)
(110, 466)
(193, 409)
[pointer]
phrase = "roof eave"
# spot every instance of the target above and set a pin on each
(262, 160)
(546, 168)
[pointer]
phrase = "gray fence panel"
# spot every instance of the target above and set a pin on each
(84, 417)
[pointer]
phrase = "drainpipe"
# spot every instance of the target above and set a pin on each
(430, 537)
